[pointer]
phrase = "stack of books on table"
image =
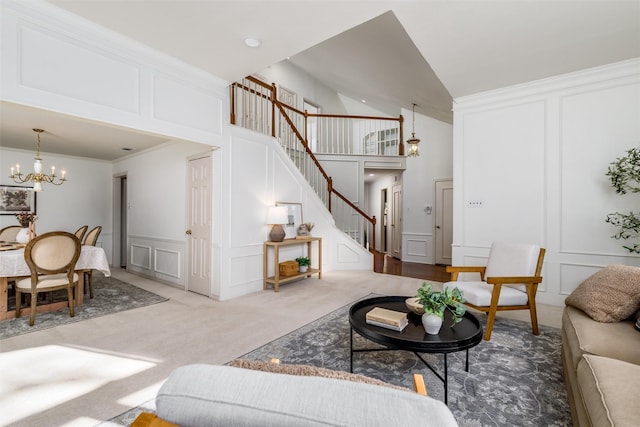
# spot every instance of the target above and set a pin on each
(385, 318)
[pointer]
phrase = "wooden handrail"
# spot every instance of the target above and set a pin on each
(354, 207)
(259, 82)
(281, 107)
(302, 140)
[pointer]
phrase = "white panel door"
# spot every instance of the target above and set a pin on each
(396, 222)
(444, 221)
(199, 188)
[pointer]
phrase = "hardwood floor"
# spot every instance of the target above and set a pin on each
(389, 265)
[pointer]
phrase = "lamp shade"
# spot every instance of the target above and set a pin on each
(277, 215)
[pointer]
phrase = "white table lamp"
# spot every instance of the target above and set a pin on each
(276, 216)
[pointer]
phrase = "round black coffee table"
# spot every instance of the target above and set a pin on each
(463, 336)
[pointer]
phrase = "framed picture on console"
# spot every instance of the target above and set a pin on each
(294, 215)
(14, 199)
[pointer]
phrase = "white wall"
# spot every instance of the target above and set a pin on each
(59, 62)
(250, 171)
(418, 180)
(293, 79)
(85, 199)
(156, 221)
(536, 156)
(418, 184)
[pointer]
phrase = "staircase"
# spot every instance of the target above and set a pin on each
(257, 106)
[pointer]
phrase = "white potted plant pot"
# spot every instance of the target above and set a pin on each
(303, 268)
(23, 235)
(432, 323)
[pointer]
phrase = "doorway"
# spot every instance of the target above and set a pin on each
(396, 222)
(199, 226)
(443, 221)
(384, 210)
(120, 204)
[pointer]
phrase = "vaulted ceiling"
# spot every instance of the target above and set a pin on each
(393, 53)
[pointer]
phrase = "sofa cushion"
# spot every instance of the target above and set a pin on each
(610, 295)
(609, 389)
(585, 336)
(209, 395)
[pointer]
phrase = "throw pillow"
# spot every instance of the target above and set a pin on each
(310, 371)
(610, 295)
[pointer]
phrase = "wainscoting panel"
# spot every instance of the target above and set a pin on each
(417, 248)
(571, 275)
(170, 96)
(586, 192)
(167, 262)
(141, 256)
(61, 66)
(247, 270)
(346, 254)
(160, 259)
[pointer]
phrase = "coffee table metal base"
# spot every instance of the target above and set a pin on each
(443, 377)
(464, 335)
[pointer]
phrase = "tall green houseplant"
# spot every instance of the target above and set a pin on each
(624, 175)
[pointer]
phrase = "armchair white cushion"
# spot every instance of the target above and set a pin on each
(509, 281)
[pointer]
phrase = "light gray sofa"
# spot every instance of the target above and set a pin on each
(210, 395)
(601, 358)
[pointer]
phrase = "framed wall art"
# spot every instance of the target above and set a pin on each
(14, 199)
(294, 216)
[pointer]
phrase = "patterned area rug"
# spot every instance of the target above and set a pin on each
(110, 296)
(513, 380)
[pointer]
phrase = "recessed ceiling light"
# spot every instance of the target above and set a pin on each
(372, 174)
(127, 149)
(252, 41)
(364, 101)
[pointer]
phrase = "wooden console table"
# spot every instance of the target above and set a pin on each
(276, 279)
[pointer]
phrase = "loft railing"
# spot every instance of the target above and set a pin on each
(255, 106)
(338, 134)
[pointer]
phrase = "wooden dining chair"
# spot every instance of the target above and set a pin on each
(80, 232)
(8, 234)
(508, 282)
(90, 240)
(51, 258)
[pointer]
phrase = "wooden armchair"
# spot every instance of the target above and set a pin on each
(80, 232)
(90, 240)
(508, 282)
(8, 234)
(51, 258)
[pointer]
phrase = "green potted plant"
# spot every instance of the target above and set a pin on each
(303, 263)
(435, 303)
(624, 175)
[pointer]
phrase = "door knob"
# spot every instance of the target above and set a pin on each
(437, 226)
(188, 232)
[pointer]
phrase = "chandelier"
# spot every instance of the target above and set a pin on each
(413, 141)
(37, 177)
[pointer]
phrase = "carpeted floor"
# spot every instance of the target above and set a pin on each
(110, 296)
(515, 379)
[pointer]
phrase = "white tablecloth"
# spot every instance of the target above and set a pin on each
(12, 263)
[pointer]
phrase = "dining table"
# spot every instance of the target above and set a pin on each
(13, 266)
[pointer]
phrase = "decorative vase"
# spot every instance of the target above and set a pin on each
(303, 268)
(23, 235)
(431, 323)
